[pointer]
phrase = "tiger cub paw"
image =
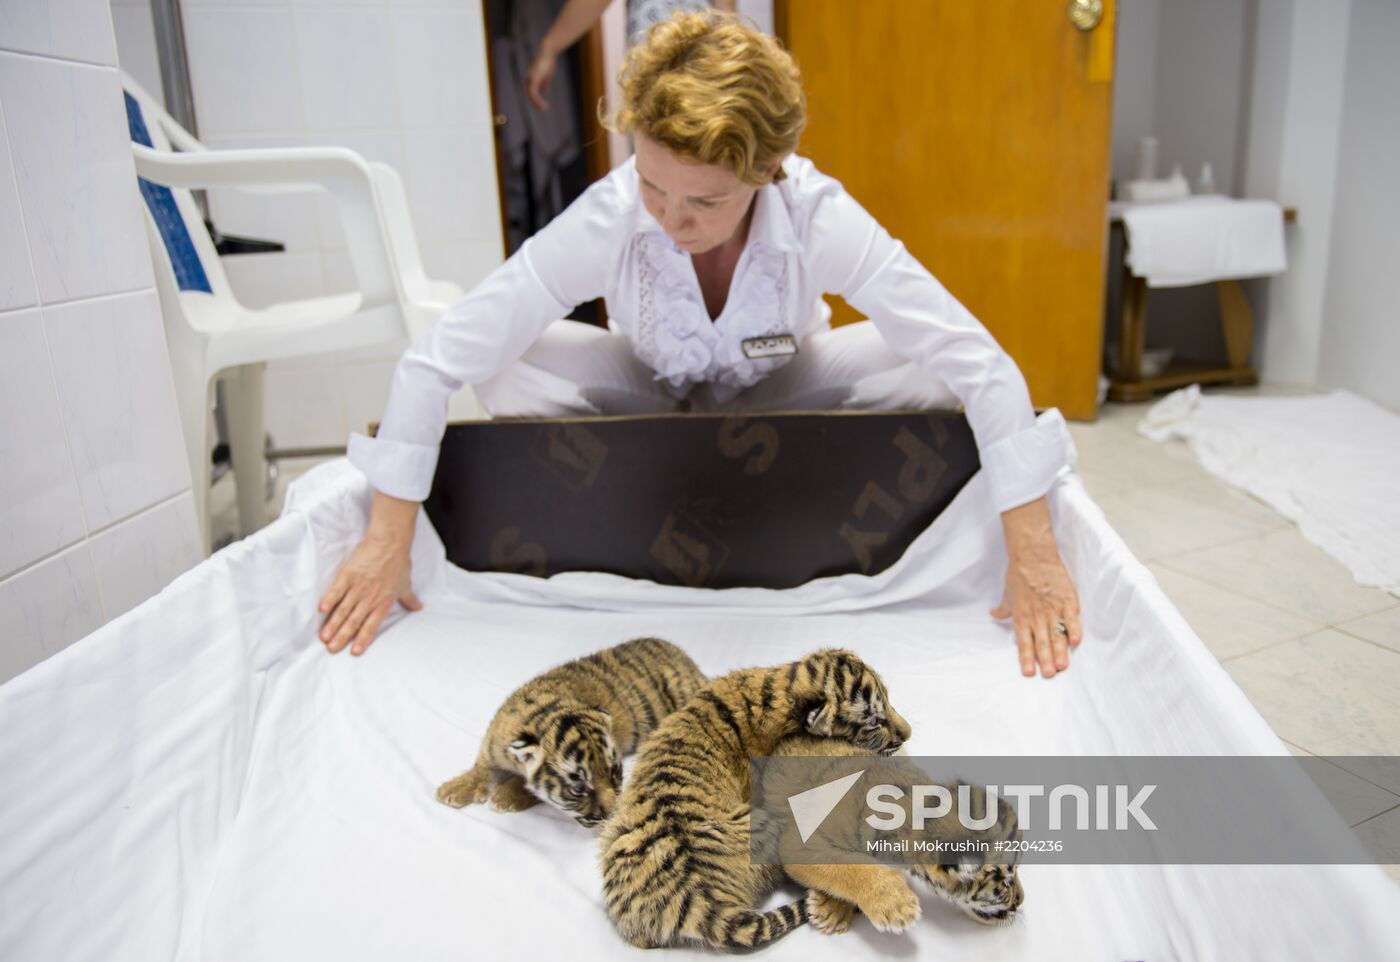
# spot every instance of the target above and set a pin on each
(891, 906)
(512, 796)
(469, 788)
(828, 914)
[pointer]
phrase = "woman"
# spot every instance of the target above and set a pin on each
(712, 246)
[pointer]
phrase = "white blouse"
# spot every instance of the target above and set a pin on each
(807, 237)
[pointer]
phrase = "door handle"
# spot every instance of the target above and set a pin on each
(1085, 14)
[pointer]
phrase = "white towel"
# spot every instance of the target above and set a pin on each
(1329, 462)
(1202, 239)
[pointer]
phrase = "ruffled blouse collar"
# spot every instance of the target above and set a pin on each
(689, 348)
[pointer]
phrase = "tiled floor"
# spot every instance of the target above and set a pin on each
(1316, 654)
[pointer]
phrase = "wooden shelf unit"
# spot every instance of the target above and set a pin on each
(1236, 323)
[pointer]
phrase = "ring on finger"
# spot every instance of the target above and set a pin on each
(1060, 627)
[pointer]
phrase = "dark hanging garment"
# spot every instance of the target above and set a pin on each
(541, 152)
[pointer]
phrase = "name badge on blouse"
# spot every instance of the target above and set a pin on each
(778, 345)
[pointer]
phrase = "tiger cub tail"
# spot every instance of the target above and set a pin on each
(733, 927)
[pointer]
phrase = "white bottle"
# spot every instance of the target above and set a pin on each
(1206, 183)
(1146, 165)
(1177, 185)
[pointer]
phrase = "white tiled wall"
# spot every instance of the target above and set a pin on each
(400, 81)
(95, 507)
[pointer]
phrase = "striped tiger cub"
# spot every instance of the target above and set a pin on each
(675, 853)
(560, 738)
(990, 893)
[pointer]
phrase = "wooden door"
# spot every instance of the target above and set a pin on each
(978, 134)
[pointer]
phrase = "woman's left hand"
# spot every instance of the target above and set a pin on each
(1039, 596)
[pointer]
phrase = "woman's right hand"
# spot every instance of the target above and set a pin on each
(537, 78)
(376, 575)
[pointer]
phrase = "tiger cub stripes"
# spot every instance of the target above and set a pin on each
(560, 737)
(675, 853)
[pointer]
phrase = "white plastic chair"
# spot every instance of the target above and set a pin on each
(210, 334)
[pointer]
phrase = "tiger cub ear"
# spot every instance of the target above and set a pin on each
(526, 755)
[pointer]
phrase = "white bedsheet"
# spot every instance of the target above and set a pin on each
(1330, 463)
(199, 780)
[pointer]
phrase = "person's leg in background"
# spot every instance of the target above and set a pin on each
(848, 368)
(575, 369)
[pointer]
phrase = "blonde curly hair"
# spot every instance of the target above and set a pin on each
(713, 91)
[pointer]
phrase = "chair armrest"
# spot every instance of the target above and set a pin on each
(403, 239)
(342, 172)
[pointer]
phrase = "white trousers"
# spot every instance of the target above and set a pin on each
(578, 369)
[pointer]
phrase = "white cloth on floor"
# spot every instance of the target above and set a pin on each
(1200, 239)
(199, 780)
(1330, 463)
